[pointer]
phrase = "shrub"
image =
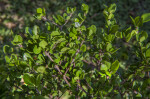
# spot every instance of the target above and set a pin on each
(65, 58)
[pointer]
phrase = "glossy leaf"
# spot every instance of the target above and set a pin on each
(146, 17)
(114, 67)
(39, 10)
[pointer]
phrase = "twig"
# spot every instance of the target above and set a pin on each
(48, 55)
(58, 69)
(90, 63)
(64, 77)
(66, 22)
(78, 81)
(50, 21)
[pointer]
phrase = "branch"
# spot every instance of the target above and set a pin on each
(78, 81)
(56, 66)
(64, 77)
(90, 63)
(66, 21)
(48, 55)
(50, 21)
(58, 69)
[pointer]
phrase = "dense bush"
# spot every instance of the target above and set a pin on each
(63, 57)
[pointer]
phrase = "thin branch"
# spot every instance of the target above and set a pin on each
(78, 81)
(50, 21)
(48, 55)
(90, 63)
(64, 77)
(58, 69)
(66, 21)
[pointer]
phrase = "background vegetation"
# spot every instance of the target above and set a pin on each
(15, 15)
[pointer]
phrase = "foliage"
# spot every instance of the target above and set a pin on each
(65, 56)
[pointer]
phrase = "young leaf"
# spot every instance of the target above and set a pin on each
(108, 47)
(146, 17)
(43, 44)
(114, 67)
(55, 33)
(17, 39)
(36, 49)
(35, 30)
(39, 10)
(85, 8)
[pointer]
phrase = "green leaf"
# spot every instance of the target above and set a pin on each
(64, 49)
(138, 21)
(43, 44)
(112, 8)
(38, 79)
(26, 56)
(85, 8)
(93, 28)
(57, 60)
(60, 18)
(148, 53)
(39, 10)
(68, 10)
(55, 33)
(7, 59)
(83, 48)
(77, 24)
(146, 17)
(36, 49)
(119, 34)
(104, 67)
(48, 26)
(28, 79)
(108, 47)
(7, 49)
(144, 36)
(114, 67)
(133, 21)
(78, 73)
(35, 30)
(129, 36)
(76, 20)
(114, 29)
(41, 69)
(17, 39)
